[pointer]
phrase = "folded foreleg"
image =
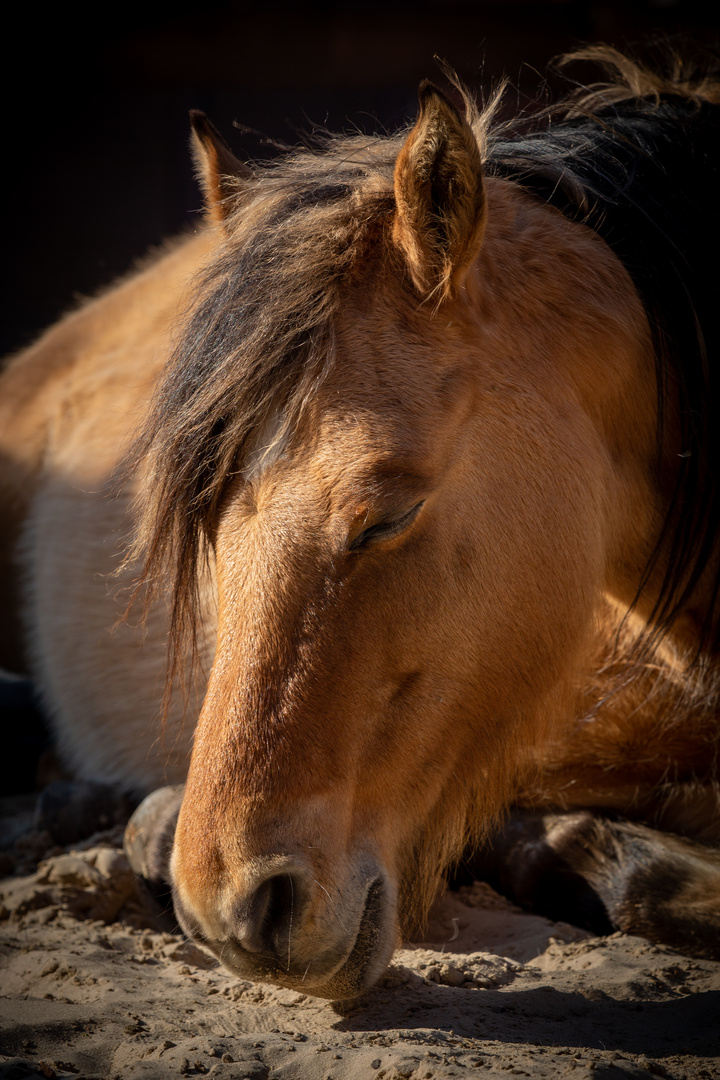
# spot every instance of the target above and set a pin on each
(611, 874)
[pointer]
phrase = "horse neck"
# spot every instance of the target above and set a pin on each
(558, 313)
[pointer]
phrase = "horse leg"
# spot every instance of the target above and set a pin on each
(645, 859)
(607, 874)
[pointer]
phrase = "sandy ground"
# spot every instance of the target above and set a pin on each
(94, 983)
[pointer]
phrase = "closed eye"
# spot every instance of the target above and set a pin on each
(385, 530)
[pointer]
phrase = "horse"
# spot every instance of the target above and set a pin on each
(380, 514)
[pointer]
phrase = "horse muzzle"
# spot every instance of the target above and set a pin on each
(284, 927)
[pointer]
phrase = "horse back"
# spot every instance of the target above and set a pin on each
(69, 403)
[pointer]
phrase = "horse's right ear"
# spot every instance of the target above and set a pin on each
(222, 176)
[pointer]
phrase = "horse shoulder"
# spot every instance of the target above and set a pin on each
(644, 743)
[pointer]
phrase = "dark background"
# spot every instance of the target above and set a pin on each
(97, 167)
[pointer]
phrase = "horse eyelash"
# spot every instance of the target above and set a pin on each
(385, 529)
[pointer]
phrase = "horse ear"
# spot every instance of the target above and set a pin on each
(439, 196)
(221, 174)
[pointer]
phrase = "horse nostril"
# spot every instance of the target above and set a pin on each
(264, 920)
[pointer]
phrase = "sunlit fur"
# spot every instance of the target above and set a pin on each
(457, 327)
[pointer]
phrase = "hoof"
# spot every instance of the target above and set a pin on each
(150, 831)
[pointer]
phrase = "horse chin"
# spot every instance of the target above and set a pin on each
(371, 952)
(332, 974)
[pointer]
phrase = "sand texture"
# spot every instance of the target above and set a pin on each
(94, 983)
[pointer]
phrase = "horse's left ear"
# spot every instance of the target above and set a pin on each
(222, 176)
(439, 196)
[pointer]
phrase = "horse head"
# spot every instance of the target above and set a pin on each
(409, 546)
